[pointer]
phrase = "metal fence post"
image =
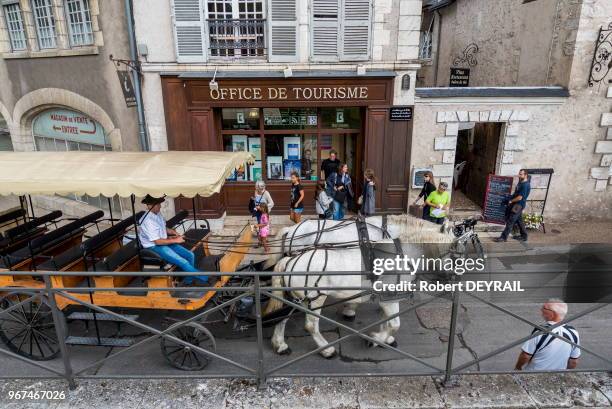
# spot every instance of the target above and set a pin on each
(451, 340)
(261, 377)
(60, 331)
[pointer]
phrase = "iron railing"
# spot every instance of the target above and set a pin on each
(237, 37)
(258, 365)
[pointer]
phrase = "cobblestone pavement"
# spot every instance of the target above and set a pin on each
(493, 391)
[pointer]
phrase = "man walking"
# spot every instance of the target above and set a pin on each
(330, 165)
(516, 205)
(165, 242)
(547, 352)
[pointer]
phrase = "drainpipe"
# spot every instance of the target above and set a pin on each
(142, 126)
(437, 16)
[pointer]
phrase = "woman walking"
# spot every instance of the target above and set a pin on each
(261, 196)
(323, 203)
(340, 187)
(297, 198)
(367, 200)
(428, 187)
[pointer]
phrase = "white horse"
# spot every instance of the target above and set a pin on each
(408, 229)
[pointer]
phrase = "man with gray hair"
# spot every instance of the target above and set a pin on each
(547, 352)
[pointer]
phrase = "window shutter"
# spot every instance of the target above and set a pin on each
(283, 31)
(325, 29)
(356, 30)
(188, 31)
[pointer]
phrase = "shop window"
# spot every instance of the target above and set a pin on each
(241, 143)
(341, 118)
(290, 118)
(291, 153)
(45, 23)
(14, 24)
(240, 118)
(79, 22)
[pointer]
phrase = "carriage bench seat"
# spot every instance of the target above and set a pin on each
(16, 237)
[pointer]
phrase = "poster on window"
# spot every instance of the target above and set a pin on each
(255, 147)
(326, 142)
(255, 171)
(275, 167)
(290, 166)
(239, 143)
(292, 147)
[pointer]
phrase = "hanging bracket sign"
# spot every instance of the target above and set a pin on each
(127, 87)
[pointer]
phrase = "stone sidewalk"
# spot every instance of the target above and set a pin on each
(592, 390)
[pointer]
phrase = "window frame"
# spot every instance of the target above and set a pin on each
(49, 18)
(83, 13)
(21, 22)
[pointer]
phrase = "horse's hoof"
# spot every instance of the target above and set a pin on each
(349, 318)
(369, 343)
(332, 356)
(393, 344)
(286, 351)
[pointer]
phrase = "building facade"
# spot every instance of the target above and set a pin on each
(507, 85)
(289, 80)
(58, 88)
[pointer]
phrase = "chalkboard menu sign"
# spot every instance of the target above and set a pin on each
(400, 114)
(497, 195)
(418, 177)
(459, 77)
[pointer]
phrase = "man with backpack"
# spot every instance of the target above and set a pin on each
(547, 352)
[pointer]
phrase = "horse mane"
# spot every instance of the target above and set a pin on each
(415, 230)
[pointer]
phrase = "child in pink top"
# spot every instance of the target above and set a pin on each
(264, 226)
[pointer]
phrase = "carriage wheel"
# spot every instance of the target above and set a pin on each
(29, 329)
(184, 357)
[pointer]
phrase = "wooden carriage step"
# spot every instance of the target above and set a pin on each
(89, 316)
(105, 342)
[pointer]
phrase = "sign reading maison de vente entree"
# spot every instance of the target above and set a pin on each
(278, 93)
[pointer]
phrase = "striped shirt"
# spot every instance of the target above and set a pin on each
(548, 352)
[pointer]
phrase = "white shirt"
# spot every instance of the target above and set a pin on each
(553, 354)
(152, 227)
(322, 202)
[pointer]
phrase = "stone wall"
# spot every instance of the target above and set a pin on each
(518, 44)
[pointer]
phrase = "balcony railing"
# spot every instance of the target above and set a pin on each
(237, 37)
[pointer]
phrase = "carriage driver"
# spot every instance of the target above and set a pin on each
(165, 242)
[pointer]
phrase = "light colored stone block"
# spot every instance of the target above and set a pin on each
(513, 129)
(406, 52)
(409, 38)
(508, 157)
(514, 144)
(505, 116)
(600, 173)
(445, 143)
(606, 119)
(382, 37)
(473, 116)
(484, 116)
(609, 134)
(603, 147)
(448, 157)
(524, 116)
(410, 23)
(451, 116)
(452, 129)
(609, 92)
(600, 185)
(494, 116)
(410, 7)
(443, 170)
(510, 170)
(441, 117)
(606, 160)
(463, 116)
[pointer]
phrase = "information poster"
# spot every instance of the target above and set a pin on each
(418, 179)
(255, 147)
(275, 167)
(290, 166)
(255, 171)
(292, 146)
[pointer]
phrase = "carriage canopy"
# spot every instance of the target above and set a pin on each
(171, 173)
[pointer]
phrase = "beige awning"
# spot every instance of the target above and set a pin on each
(118, 173)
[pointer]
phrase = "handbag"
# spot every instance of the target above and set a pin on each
(327, 211)
(339, 195)
(252, 206)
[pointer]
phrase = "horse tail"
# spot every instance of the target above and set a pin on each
(273, 304)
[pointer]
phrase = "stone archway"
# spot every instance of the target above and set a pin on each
(41, 99)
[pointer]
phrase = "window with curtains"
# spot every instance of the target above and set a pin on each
(79, 22)
(44, 19)
(14, 24)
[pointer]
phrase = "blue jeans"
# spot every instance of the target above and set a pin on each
(338, 210)
(180, 257)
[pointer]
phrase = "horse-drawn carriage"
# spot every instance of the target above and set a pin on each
(29, 245)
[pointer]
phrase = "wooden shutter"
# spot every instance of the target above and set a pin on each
(325, 29)
(283, 44)
(356, 29)
(188, 31)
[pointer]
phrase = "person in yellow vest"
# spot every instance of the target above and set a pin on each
(439, 203)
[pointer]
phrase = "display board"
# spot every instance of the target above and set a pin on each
(418, 177)
(497, 195)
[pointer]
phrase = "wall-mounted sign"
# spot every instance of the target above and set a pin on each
(459, 77)
(127, 88)
(497, 195)
(68, 125)
(418, 179)
(400, 114)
